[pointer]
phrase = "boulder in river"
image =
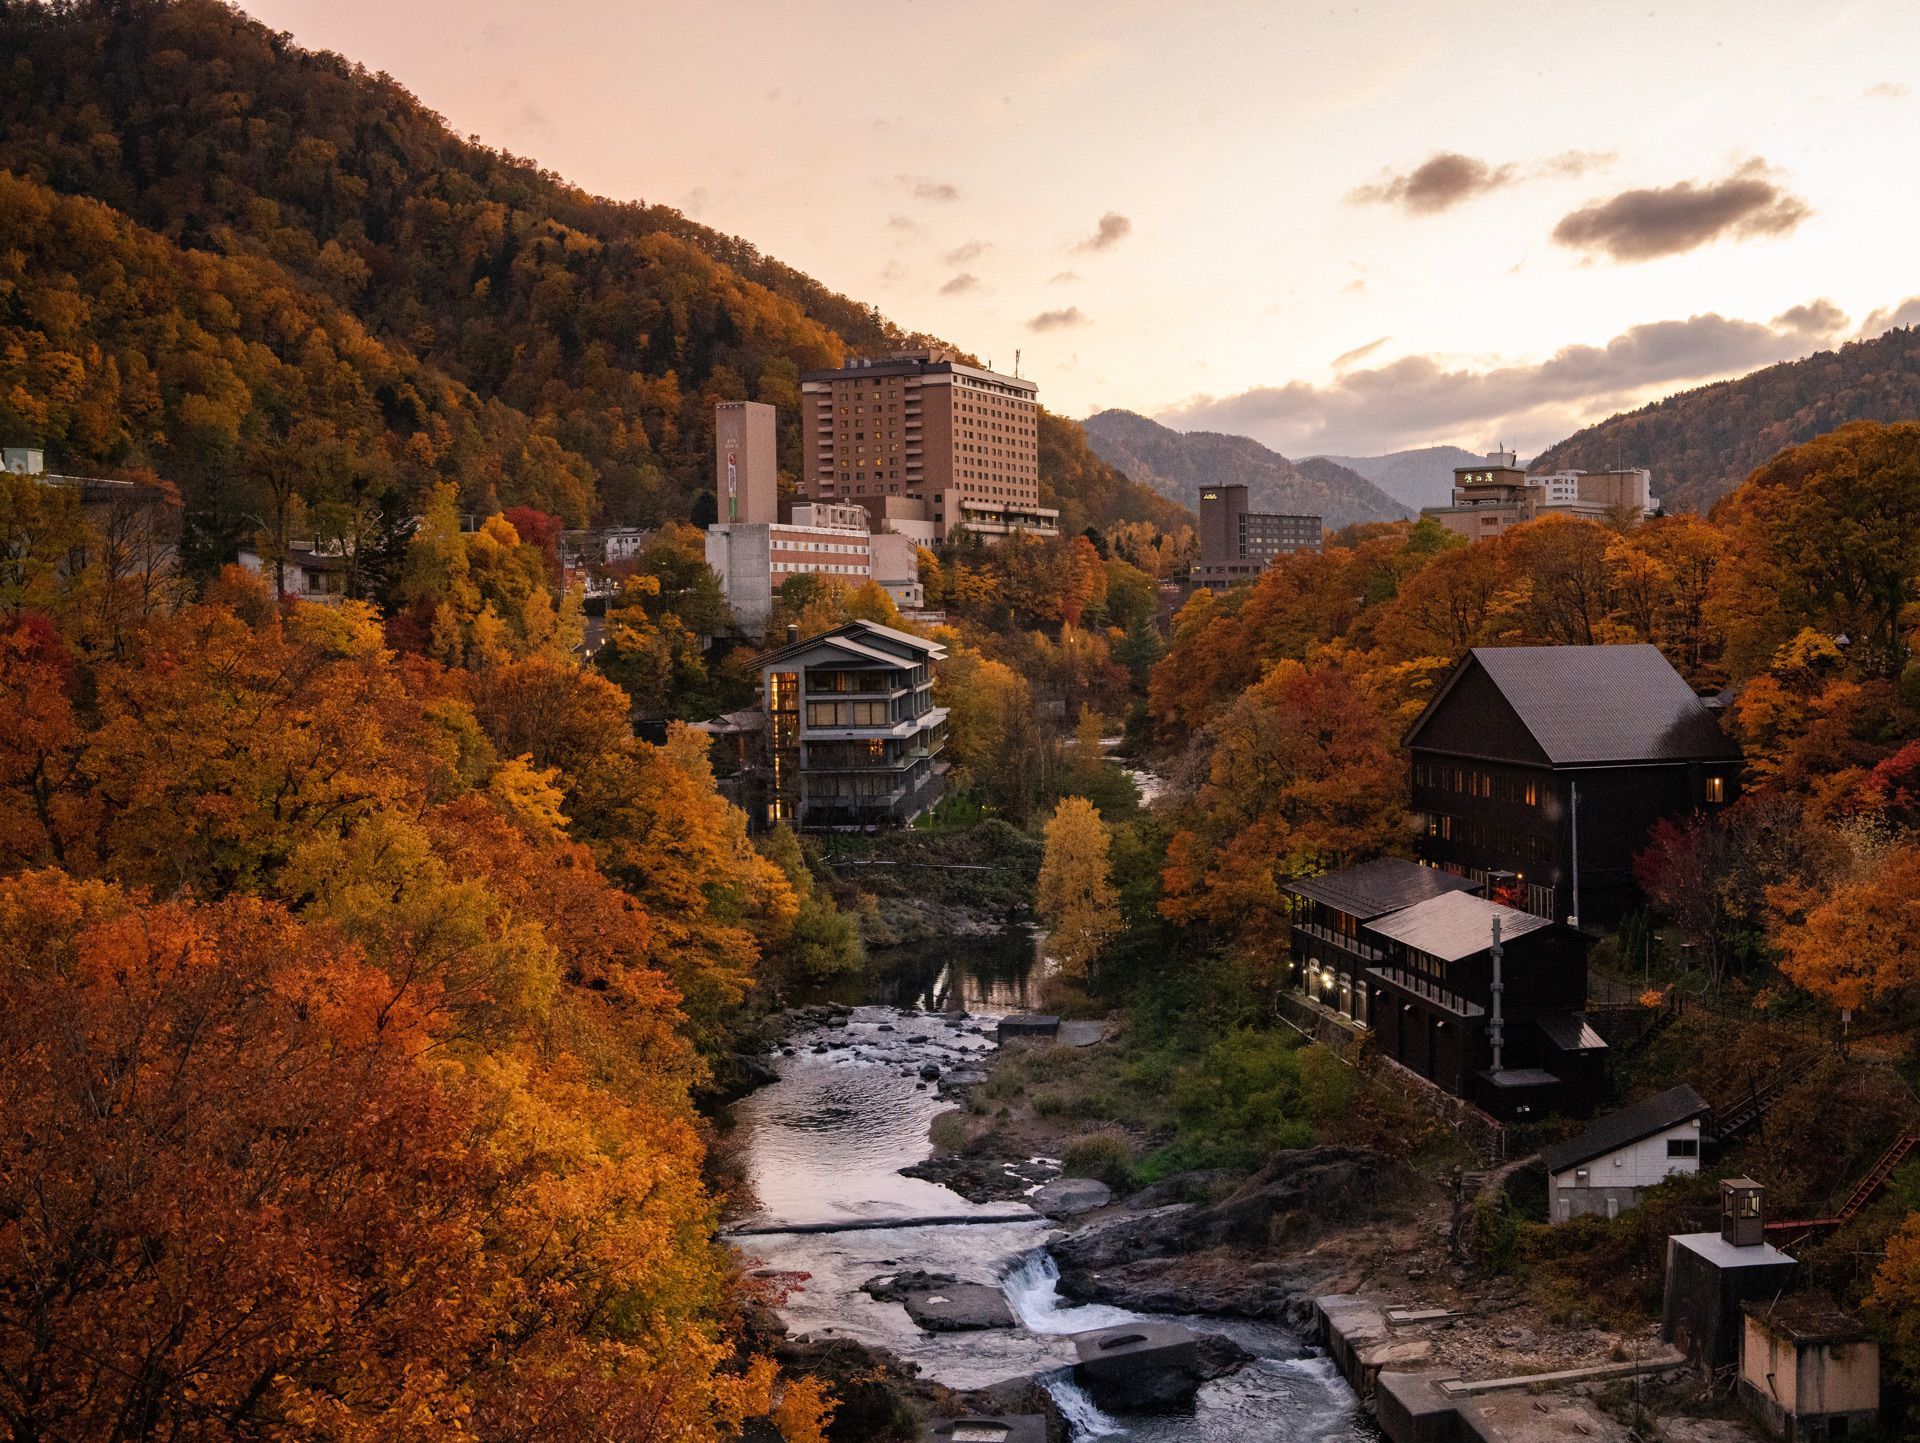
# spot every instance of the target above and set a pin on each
(959, 1308)
(1151, 1367)
(929, 1072)
(1070, 1196)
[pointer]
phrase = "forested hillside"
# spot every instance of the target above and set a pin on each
(1701, 444)
(588, 338)
(1177, 464)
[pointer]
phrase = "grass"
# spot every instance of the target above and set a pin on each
(1104, 1156)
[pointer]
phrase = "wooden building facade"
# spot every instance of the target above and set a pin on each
(1546, 768)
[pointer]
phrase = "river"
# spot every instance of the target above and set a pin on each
(825, 1143)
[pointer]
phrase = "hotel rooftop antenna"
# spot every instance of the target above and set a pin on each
(1016, 363)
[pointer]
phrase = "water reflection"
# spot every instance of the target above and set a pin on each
(989, 975)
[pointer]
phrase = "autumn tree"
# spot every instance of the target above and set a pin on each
(1820, 537)
(1076, 894)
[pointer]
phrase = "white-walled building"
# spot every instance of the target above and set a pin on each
(1608, 1168)
(753, 551)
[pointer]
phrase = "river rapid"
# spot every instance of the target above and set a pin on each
(825, 1144)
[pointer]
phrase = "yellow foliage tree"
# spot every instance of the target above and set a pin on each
(1076, 894)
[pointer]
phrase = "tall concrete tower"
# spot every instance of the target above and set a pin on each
(746, 462)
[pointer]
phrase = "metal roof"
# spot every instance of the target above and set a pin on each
(857, 638)
(1376, 888)
(1455, 925)
(1570, 1032)
(1588, 705)
(1627, 1126)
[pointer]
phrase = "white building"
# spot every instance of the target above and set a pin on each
(308, 574)
(753, 559)
(1608, 1168)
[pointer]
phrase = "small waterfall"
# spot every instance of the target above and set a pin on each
(1032, 1290)
(1083, 1415)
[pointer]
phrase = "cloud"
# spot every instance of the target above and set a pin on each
(1887, 90)
(1446, 178)
(1879, 322)
(1353, 287)
(1060, 320)
(1347, 358)
(893, 272)
(1642, 225)
(1114, 228)
(1418, 400)
(1442, 180)
(961, 284)
(905, 224)
(922, 188)
(1574, 163)
(967, 251)
(1061, 278)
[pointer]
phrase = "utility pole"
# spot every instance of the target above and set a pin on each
(1574, 825)
(1496, 1026)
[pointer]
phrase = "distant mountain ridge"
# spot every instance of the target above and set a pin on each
(1702, 443)
(1178, 463)
(1416, 478)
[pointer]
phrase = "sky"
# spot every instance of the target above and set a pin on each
(1341, 229)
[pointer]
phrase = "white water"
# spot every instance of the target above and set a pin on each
(1031, 1289)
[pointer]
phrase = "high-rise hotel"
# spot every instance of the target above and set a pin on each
(926, 443)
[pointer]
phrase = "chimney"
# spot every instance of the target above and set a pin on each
(793, 632)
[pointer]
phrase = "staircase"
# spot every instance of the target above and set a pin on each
(1876, 1178)
(1729, 1122)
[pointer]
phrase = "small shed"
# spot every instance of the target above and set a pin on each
(1607, 1169)
(1710, 1275)
(1809, 1371)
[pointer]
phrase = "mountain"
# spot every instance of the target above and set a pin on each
(1422, 477)
(1700, 444)
(1178, 463)
(588, 338)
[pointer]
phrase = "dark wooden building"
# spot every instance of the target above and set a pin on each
(1406, 951)
(1331, 953)
(1432, 1003)
(1553, 763)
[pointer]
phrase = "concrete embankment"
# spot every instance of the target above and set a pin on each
(1379, 1351)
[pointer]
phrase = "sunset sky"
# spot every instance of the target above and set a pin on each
(1341, 229)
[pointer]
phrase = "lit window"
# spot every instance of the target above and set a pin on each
(1716, 790)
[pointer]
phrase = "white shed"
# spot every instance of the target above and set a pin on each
(1604, 1171)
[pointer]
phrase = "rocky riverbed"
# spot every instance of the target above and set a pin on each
(925, 1321)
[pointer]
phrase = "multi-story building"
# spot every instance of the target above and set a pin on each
(746, 461)
(1236, 544)
(1490, 496)
(1406, 953)
(1547, 767)
(851, 737)
(753, 559)
(753, 551)
(957, 445)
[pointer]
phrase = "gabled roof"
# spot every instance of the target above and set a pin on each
(1626, 1127)
(1587, 705)
(1455, 925)
(867, 640)
(1374, 889)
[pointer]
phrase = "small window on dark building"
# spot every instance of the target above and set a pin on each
(1683, 1147)
(1716, 790)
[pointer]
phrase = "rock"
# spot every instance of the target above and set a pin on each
(1028, 1024)
(961, 1307)
(918, 1037)
(837, 1021)
(960, 1079)
(986, 1428)
(1181, 1187)
(1150, 1367)
(929, 1073)
(884, 1027)
(1070, 1196)
(894, 1287)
